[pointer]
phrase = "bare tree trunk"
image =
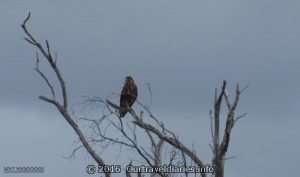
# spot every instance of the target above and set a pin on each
(218, 163)
(219, 150)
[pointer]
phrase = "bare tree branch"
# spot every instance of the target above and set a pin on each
(49, 58)
(43, 75)
(171, 140)
(61, 107)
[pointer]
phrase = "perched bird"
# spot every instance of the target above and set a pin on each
(128, 95)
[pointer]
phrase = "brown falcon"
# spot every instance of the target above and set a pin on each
(128, 95)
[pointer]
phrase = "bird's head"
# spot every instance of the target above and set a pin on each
(129, 79)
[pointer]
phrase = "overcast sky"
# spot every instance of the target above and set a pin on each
(184, 49)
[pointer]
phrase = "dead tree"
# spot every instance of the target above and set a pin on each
(220, 148)
(157, 133)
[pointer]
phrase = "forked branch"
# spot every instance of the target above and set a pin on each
(220, 149)
(62, 107)
(172, 140)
